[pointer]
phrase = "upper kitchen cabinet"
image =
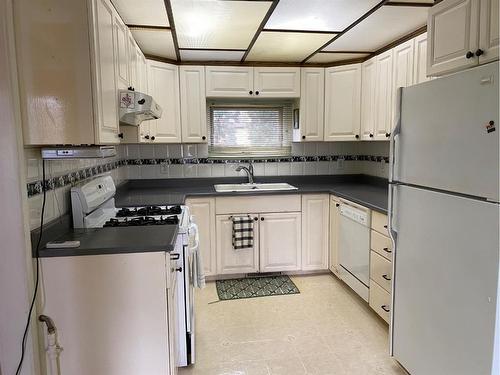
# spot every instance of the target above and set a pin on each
(122, 55)
(383, 95)
(276, 82)
(229, 81)
(342, 103)
(420, 59)
(402, 71)
(238, 81)
(193, 104)
(368, 81)
(462, 34)
(312, 104)
(67, 58)
(163, 85)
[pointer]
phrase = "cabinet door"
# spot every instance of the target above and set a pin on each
(203, 212)
(132, 63)
(315, 215)
(334, 229)
(368, 80)
(342, 103)
(163, 84)
(420, 59)
(229, 81)
(489, 34)
(277, 82)
(383, 96)
(312, 104)
(402, 72)
(122, 56)
(229, 260)
(104, 48)
(279, 252)
(193, 104)
(173, 324)
(452, 28)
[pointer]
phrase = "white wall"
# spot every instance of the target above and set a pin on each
(15, 268)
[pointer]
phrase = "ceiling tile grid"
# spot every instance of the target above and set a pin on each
(281, 31)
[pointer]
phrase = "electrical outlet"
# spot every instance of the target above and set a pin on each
(340, 163)
(163, 168)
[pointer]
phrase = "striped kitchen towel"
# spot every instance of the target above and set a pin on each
(242, 232)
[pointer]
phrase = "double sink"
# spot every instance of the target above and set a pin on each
(225, 188)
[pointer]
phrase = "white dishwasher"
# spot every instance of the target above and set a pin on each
(354, 248)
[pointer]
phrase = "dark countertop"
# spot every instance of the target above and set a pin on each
(371, 192)
(107, 240)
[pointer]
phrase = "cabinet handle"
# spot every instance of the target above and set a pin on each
(385, 226)
(120, 135)
(469, 55)
(203, 138)
(356, 136)
(261, 219)
(256, 93)
(479, 52)
(153, 138)
(385, 308)
(337, 204)
(386, 249)
(387, 135)
(371, 135)
(175, 256)
(256, 218)
(303, 137)
(250, 92)
(146, 137)
(179, 269)
(386, 277)
(130, 88)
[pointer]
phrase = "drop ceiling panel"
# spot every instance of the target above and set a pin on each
(385, 25)
(155, 42)
(328, 57)
(217, 24)
(142, 12)
(286, 46)
(209, 55)
(318, 15)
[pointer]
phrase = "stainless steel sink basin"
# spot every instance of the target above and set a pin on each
(221, 188)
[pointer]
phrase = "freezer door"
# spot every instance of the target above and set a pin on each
(445, 141)
(445, 282)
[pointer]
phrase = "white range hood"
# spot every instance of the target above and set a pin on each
(136, 107)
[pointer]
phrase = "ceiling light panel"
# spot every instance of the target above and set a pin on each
(217, 24)
(318, 15)
(329, 57)
(155, 42)
(286, 46)
(385, 25)
(143, 12)
(210, 55)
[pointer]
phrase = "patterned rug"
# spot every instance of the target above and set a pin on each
(251, 287)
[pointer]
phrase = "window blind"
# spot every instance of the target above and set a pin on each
(250, 130)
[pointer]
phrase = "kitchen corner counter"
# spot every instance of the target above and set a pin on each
(371, 192)
(116, 240)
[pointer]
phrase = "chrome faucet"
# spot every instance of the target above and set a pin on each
(248, 170)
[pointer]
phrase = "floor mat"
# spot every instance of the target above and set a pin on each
(251, 287)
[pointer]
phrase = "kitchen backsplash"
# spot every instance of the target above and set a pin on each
(191, 160)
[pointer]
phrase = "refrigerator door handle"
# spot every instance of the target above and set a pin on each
(392, 140)
(392, 208)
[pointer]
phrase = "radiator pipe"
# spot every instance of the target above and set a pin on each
(53, 349)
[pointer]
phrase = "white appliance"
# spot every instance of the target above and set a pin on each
(444, 222)
(354, 248)
(136, 107)
(78, 152)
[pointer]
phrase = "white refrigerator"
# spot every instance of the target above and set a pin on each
(444, 222)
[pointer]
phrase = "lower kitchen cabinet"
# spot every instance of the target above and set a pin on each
(279, 242)
(334, 228)
(229, 260)
(315, 228)
(380, 301)
(203, 212)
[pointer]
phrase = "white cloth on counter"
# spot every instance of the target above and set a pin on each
(198, 273)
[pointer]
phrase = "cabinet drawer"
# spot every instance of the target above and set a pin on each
(380, 270)
(379, 222)
(380, 301)
(381, 244)
(261, 204)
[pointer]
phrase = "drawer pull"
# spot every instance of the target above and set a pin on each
(175, 256)
(385, 308)
(386, 249)
(386, 277)
(385, 226)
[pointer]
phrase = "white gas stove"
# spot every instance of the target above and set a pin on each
(93, 206)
